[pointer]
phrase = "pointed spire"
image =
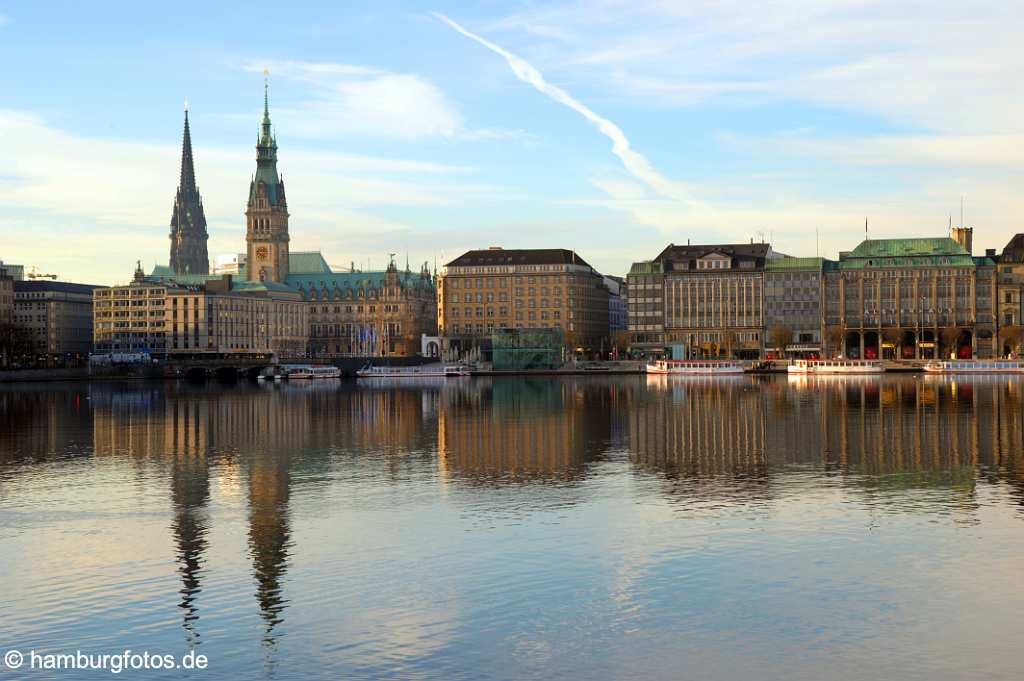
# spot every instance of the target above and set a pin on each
(187, 181)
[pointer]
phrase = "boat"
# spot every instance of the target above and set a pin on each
(420, 371)
(312, 371)
(981, 366)
(835, 366)
(699, 367)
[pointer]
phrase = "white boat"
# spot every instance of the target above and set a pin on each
(981, 366)
(421, 371)
(312, 371)
(699, 367)
(835, 366)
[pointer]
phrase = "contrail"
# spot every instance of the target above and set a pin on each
(636, 164)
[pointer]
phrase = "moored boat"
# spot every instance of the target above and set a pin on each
(980, 366)
(700, 367)
(421, 371)
(311, 371)
(835, 366)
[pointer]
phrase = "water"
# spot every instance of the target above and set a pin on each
(582, 528)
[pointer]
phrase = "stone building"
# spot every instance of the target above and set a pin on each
(56, 317)
(347, 313)
(221, 317)
(792, 306)
(6, 298)
(494, 288)
(1011, 294)
(712, 300)
(912, 299)
(188, 221)
(365, 313)
(646, 308)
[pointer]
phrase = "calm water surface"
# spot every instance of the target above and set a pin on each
(584, 528)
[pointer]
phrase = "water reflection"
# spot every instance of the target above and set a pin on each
(260, 464)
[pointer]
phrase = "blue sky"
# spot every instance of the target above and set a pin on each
(610, 127)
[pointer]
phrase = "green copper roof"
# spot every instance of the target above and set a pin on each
(302, 262)
(353, 280)
(885, 253)
(892, 248)
(789, 263)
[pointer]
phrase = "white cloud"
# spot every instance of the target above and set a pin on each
(112, 199)
(346, 100)
(940, 64)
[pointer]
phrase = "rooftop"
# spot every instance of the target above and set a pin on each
(523, 256)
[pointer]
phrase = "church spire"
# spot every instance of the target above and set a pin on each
(188, 222)
(187, 181)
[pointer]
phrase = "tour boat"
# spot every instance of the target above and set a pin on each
(314, 371)
(835, 366)
(694, 367)
(983, 366)
(421, 371)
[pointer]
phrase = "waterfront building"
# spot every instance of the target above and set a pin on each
(646, 312)
(188, 221)
(6, 299)
(364, 313)
(489, 289)
(219, 317)
(711, 302)
(1011, 295)
(792, 306)
(56, 320)
(348, 313)
(912, 299)
(618, 309)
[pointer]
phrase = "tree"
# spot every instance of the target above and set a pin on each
(730, 343)
(780, 336)
(893, 335)
(1011, 336)
(949, 336)
(835, 339)
(620, 342)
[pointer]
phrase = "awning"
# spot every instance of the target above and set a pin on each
(803, 348)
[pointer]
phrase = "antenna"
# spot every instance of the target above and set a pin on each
(961, 210)
(865, 228)
(817, 249)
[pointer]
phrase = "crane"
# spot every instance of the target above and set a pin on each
(34, 273)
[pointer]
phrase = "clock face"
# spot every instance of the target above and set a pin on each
(261, 253)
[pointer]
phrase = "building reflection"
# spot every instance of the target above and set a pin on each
(698, 426)
(523, 429)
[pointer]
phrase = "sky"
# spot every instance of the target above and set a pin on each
(426, 129)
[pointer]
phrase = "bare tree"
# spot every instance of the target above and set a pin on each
(780, 336)
(1011, 335)
(835, 338)
(949, 336)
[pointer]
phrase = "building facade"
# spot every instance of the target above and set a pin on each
(56, 318)
(713, 299)
(346, 313)
(911, 299)
(645, 284)
(1010, 303)
(6, 299)
(484, 290)
(188, 221)
(366, 313)
(793, 306)
(266, 213)
(219, 317)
